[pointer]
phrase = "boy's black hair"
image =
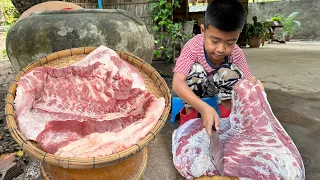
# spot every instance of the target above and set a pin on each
(225, 15)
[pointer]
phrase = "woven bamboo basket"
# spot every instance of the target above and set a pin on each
(154, 82)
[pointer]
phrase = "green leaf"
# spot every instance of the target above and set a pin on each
(162, 2)
(157, 53)
(156, 18)
(155, 28)
(169, 54)
(4, 52)
(176, 4)
(174, 37)
(293, 15)
(165, 30)
(298, 23)
(161, 23)
(164, 11)
(163, 17)
(169, 6)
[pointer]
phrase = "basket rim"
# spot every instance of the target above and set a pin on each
(94, 162)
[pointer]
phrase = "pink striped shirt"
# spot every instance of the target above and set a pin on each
(193, 52)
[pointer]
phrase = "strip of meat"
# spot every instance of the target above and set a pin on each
(256, 146)
(101, 94)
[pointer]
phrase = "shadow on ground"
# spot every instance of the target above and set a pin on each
(296, 112)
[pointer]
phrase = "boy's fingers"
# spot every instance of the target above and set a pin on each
(217, 123)
(260, 84)
(253, 80)
(209, 127)
(208, 130)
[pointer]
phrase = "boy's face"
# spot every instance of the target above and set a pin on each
(219, 44)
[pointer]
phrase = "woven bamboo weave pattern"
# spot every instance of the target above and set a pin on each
(154, 82)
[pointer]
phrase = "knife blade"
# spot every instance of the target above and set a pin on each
(216, 151)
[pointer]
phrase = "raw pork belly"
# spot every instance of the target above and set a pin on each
(95, 107)
(255, 144)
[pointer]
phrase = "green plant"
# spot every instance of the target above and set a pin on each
(257, 29)
(166, 32)
(9, 12)
(186, 35)
(289, 23)
(276, 17)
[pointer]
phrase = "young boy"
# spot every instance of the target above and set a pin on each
(211, 63)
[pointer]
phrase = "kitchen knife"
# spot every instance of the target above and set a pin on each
(216, 151)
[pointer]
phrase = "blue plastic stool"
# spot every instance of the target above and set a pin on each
(177, 105)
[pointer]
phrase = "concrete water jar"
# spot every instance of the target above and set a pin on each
(45, 32)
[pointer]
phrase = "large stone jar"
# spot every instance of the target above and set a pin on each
(46, 32)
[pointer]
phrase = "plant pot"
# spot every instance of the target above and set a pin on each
(254, 42)
(262, 41)
(287, 37)
(276, 23)
(188, 27)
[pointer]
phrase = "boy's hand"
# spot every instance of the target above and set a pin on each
(254, 81)
(210, 118)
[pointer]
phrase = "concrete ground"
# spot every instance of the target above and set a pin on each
(290, 73)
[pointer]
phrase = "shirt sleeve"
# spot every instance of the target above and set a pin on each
(240, 60)
(185, 61)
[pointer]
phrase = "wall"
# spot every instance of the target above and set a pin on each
(308, 15)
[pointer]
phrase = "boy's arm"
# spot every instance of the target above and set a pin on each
(180, 72)
(208, 114)
(181, 88)
(240, 60)
(183, 65)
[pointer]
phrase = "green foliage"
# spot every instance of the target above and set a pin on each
(186, 36)
(166, 32)
(9, 12)
(276, 17)
(289, 23)
(257, 29)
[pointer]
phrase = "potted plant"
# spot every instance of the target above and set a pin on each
(187, 32)
(242, 40)
(256, 32)
(276, 20)
(289, 24)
